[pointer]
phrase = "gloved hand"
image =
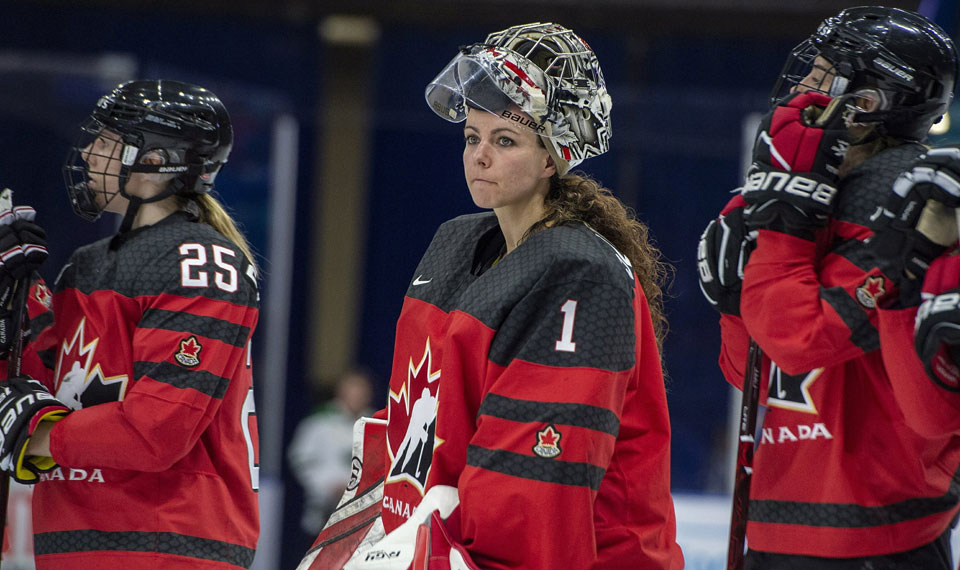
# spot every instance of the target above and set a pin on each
(937, 326)
(24, 403)
(23, 248)
(918, 222)
(722, 253)
(791, 185)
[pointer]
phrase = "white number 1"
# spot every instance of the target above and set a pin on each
(566, 344)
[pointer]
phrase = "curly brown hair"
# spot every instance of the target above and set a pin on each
(575, 197)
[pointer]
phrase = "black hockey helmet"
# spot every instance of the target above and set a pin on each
(187, 126)
(899, 59)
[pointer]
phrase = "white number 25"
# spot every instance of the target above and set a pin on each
(193, 274)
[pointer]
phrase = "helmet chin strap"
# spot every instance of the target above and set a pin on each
(131, 165)
(134, 203)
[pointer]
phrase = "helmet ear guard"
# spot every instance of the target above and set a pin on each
(543, 71)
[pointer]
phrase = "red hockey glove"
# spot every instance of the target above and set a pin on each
(722, 253)
(937, 326)
(24, 403)
(918, 221)
(791, 186)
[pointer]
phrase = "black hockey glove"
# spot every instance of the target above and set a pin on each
(791, 186)
(23, 249)
(24, 403)
(722, 253)
(918, 222)
(937, 327)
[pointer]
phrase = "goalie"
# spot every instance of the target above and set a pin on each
(527, 423)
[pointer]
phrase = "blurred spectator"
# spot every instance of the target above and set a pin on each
(321, 448)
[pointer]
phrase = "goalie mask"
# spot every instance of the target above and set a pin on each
(901, 66)
(183, 129)
(545, 71)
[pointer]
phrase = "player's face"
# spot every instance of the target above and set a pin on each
(820, 77)
(504, 163)
(103, 168)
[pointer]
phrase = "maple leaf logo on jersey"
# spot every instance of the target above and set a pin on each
(80, 382)
(870, 291)
(548, 442)
(189, 354)
(43, 295)
(412, 423)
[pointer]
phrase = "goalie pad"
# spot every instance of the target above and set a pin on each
(355, 524)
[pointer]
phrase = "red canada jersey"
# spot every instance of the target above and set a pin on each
(837, 472)
(535, 388)
(148, 343)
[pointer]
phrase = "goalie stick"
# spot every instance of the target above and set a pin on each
(741, 487)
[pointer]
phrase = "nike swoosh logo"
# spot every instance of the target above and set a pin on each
(419, 281)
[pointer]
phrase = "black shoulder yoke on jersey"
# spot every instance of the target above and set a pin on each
(867, 186)
(175, 255)
(865, 190)
(523, 296)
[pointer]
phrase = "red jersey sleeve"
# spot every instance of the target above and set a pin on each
(807, 311)
(928, 409)
(189, 347)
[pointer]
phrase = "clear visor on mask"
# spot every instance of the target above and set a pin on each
(499, 82)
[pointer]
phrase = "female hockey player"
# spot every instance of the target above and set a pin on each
(146, 350)
(527, 383)
(839, 480)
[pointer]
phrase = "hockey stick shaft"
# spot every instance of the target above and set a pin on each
(741, 486)
(14, 365)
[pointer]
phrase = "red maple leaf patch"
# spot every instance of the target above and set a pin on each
(189, 353)
(548, 442)
(870, 291)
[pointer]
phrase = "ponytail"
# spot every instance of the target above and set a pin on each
(213, 214)
(578, 198)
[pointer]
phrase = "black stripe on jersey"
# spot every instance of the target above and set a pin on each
(535, 468)
(48, 357)
(179, 377)
(857, 253)
(38, 323)
(65, 542)
(210, 327)
(862, 332)
(579, 415)
(847, 515)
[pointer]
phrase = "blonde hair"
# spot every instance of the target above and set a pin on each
(575, 197)
(212, 213)
(860, 152)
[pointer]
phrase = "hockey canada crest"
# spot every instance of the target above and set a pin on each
(79, 379)
(548, 442)
(870, 291)
(189, 353)
(414, 411)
